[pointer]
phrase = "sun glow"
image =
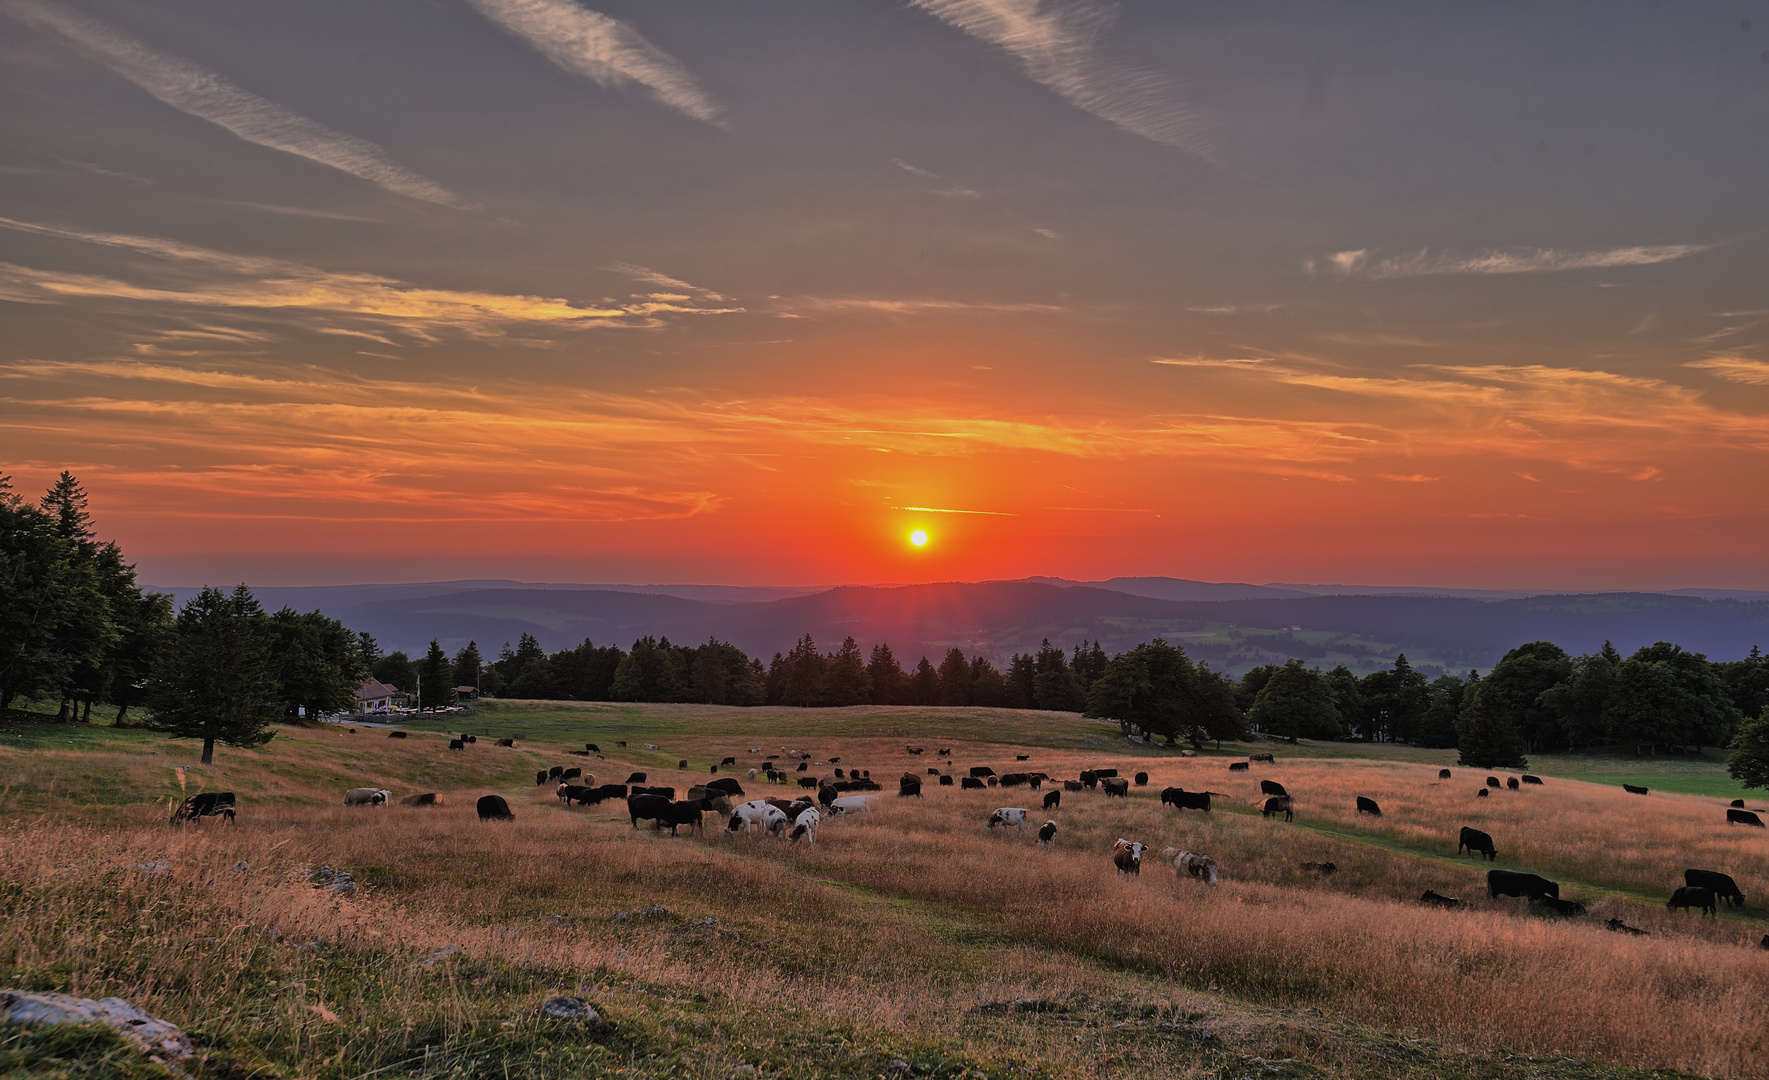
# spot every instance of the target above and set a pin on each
(918, 538)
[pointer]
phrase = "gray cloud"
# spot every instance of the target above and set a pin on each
(1362, 263)
(1057, 41)
(203, 93)
(606, 50)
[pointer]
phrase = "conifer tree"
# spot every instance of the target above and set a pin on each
(215, 681)
(1490, 739)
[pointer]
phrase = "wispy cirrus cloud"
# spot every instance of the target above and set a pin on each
(202, 93)
(1364, 264)
(1738, 369)
(602, 49)
(223, 281)
(1058, 41)
(925, 306)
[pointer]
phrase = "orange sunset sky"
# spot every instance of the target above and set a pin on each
(743, 293)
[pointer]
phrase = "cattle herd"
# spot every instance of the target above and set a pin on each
(840, 792)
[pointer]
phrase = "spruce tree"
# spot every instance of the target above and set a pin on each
(436, 679)
(215, 680)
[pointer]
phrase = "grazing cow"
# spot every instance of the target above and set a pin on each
(1511, 883)
(1142, 779)
(592, 748)
(970, 782)
(554, 772)
(1181, 799)
(909, 785)
(511, 743)
(752, 776)
(540, 777)
(1325, 869)
(1528, 779)
(1008, 817)
(1259, 757)
(367, 796)
(573, 793)
(1271, 787)
(945, 781)
(573, 773)
(1443, 774)
(803, 765)
(1621, 927)
(1765, 942)
(1127, 857)
(655, 789)
(933, 770)
(456, 744)
(1053, 799)
(1558, 906)
(205, 804)
(1512, 783)
(981, 770)
(1482, 793)
(1115, 785)
(1477, 843)
(804, 826)
(726, 784)
(851, 804)
(757, 815)
(728, 761)
(1437, 900)
(1202, 867)
(1278, 804)
(1634, 789)
(1035, 780)
(636, 778)
(1047, 834)
(1736, 804)
(808, 782)
(1238, 766)
(621, 743)
(396, 734)
(1072, 785)
(1743, 817)
(494, 808)
(944, 751)
(1105, 773)
(1722, 885)
(833, 760)
(915, 749)
(1368, 806)
(687, 812)
(1015, 779)
(1492, 782)
(839, 774)
(1022, 757)
(681, 763)
(600, 794)
(428, 798)
(645, 805)
(1089, 779)
(1693, 896)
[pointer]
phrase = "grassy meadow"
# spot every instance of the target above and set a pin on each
(908, 943)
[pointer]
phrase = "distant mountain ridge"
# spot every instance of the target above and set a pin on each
(1233, 626)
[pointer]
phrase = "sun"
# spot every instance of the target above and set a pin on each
(918, 538)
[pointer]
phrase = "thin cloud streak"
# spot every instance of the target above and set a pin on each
(1057, 40)
(1738, 369)
(915, 307)
(604, 50)
(1362, 264)
(206, 95)
(945, 510)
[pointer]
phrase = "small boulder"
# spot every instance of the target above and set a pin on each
(162, 1041)
(560, 1007)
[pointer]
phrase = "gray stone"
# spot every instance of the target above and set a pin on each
(163, 1041)
(438, 955)
(641, 913)
(560, 1007)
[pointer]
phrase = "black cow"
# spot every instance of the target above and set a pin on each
(1621, 927)
(1368, 806)
(1482, 793)
(205, 804)
(636, 778)
(1743, 817)
(1478, 843)
(803, 765)
(1558, 906)
(1089, 779)
(511, 743)
(494, 808)
(827, 794)
(1492, 781)
(572, 773)
(656, 789)
(1021, 757)
(1512, 783)
(1105, 773)
(396, 734)
(1115, 785)
(1511, 883)
(1440, 901)
(1737, 804)
(592, 748)
(1181, 799)
(933, 770)
(1634, 789)
(1691, 896)
(944, 751)
(1528, 779)
(1765, 942)
(1272, 787)
(981, 770)
(1014, 779)
(1277, 804)
(807, 781)
(606, 791)
(650, 807)
(839, 774)
(970, 782)
(456, 744)
(1237, 766)
(428, 798)
(1443, 774)
(687, 812)
(1142, 779)
(1722, 885)
(728, 761)
(540, 777)
(1053, 799)
(554, 772)
(570, 793)
(728, 785)
(909, 785)
(1259, 757)
(1072, 785)
(945, 781)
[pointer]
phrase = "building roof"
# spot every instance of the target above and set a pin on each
(372, 689)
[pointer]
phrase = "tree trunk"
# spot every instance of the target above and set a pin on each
(122, 716)
(208, 751)
(86, 713)
(61, 717)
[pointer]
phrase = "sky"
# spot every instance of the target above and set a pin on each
(744, 292)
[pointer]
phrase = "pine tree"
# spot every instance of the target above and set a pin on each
(924, 684)
(844, 676)
(1490, 739)
(215, 681)
(468, 662)
(885, 676)
(954, 679)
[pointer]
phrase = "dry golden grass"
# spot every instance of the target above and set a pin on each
(907, 921)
